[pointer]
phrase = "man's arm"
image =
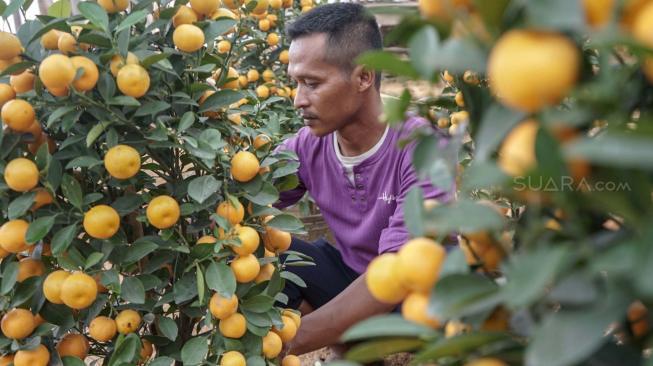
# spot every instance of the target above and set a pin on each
(325, 326)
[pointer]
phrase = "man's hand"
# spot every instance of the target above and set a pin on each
(325, 326)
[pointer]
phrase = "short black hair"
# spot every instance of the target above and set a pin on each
(350, 28)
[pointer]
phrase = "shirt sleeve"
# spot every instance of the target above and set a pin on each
(290, 197)
(396, 234)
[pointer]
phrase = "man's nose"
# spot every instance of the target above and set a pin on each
(300, 101)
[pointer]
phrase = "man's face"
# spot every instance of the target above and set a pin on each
(326, 98)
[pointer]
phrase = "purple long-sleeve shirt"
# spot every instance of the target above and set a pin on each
(366, 217)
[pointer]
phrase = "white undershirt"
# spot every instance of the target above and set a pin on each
(349, 162)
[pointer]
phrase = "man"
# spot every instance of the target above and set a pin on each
(350, 164)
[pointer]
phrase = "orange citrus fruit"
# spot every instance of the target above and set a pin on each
(232, 358)
(17, 323)
(221, 307)
(418, 264)
(66, 43)
(289, 329)
(415, 309)
(383, 280)
(23, 82)
(517, 152)
(290, 360)
(89, 77)
(101, 222)
(12, 236)
(11, 46)
(529, 70)
(122, 161)
(56, 71)
(204, 7)
(133, 80)
(184, 15)
(233, 214)
(272, 345)
(114, 6)
(21, 175)
(249, 241)
(128, 321)
(163, 212)
(7, 93)
(78, 291)
(117, 62)
(234, 326)
(50, 39)
(39, 356)
(52, 286)
(102, 329)
(245, 268)
(244, 166)
(18, 115)
(73, 344)
(188, 37)
(29, 267)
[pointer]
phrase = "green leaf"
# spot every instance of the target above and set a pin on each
(391, 325)
(459, 295)
(59, 112)
(93, 259)
(555, 14)
(530, 273)
(266, 196)
(95, 14)
(186, 288)
(127, 350)
(293, 278)
(138, 250)
(127, 203)
(458, 55)
(378, 349)
(13, 8)
(167, 327)
(220, 278)
(258, 303)
(200, 284)
(72, 190)
(151, 60)
(132, 290)
(569, 336)
(423, 51)
(614, 149)
(194, 351)
(458, 345)
(131, 19)
(220, 99)
(161, 361)
(95, 132)
(286, 222)
(386, 61)
(462, 216)
(9, 275)
(203, 187)
(124, 100)
(63, 238)
(72, 361)
(152, 108)
(60, 9)
(56, 314)
(496, 123)
(187, 121)
(413, 210)
(83, 162)
(39, 228)
(19, 206)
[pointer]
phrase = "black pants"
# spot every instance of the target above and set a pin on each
(324, 281)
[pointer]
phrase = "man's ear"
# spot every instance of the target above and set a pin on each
(364, 78)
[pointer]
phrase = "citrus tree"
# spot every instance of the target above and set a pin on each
(544, 130)
(138, 177)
